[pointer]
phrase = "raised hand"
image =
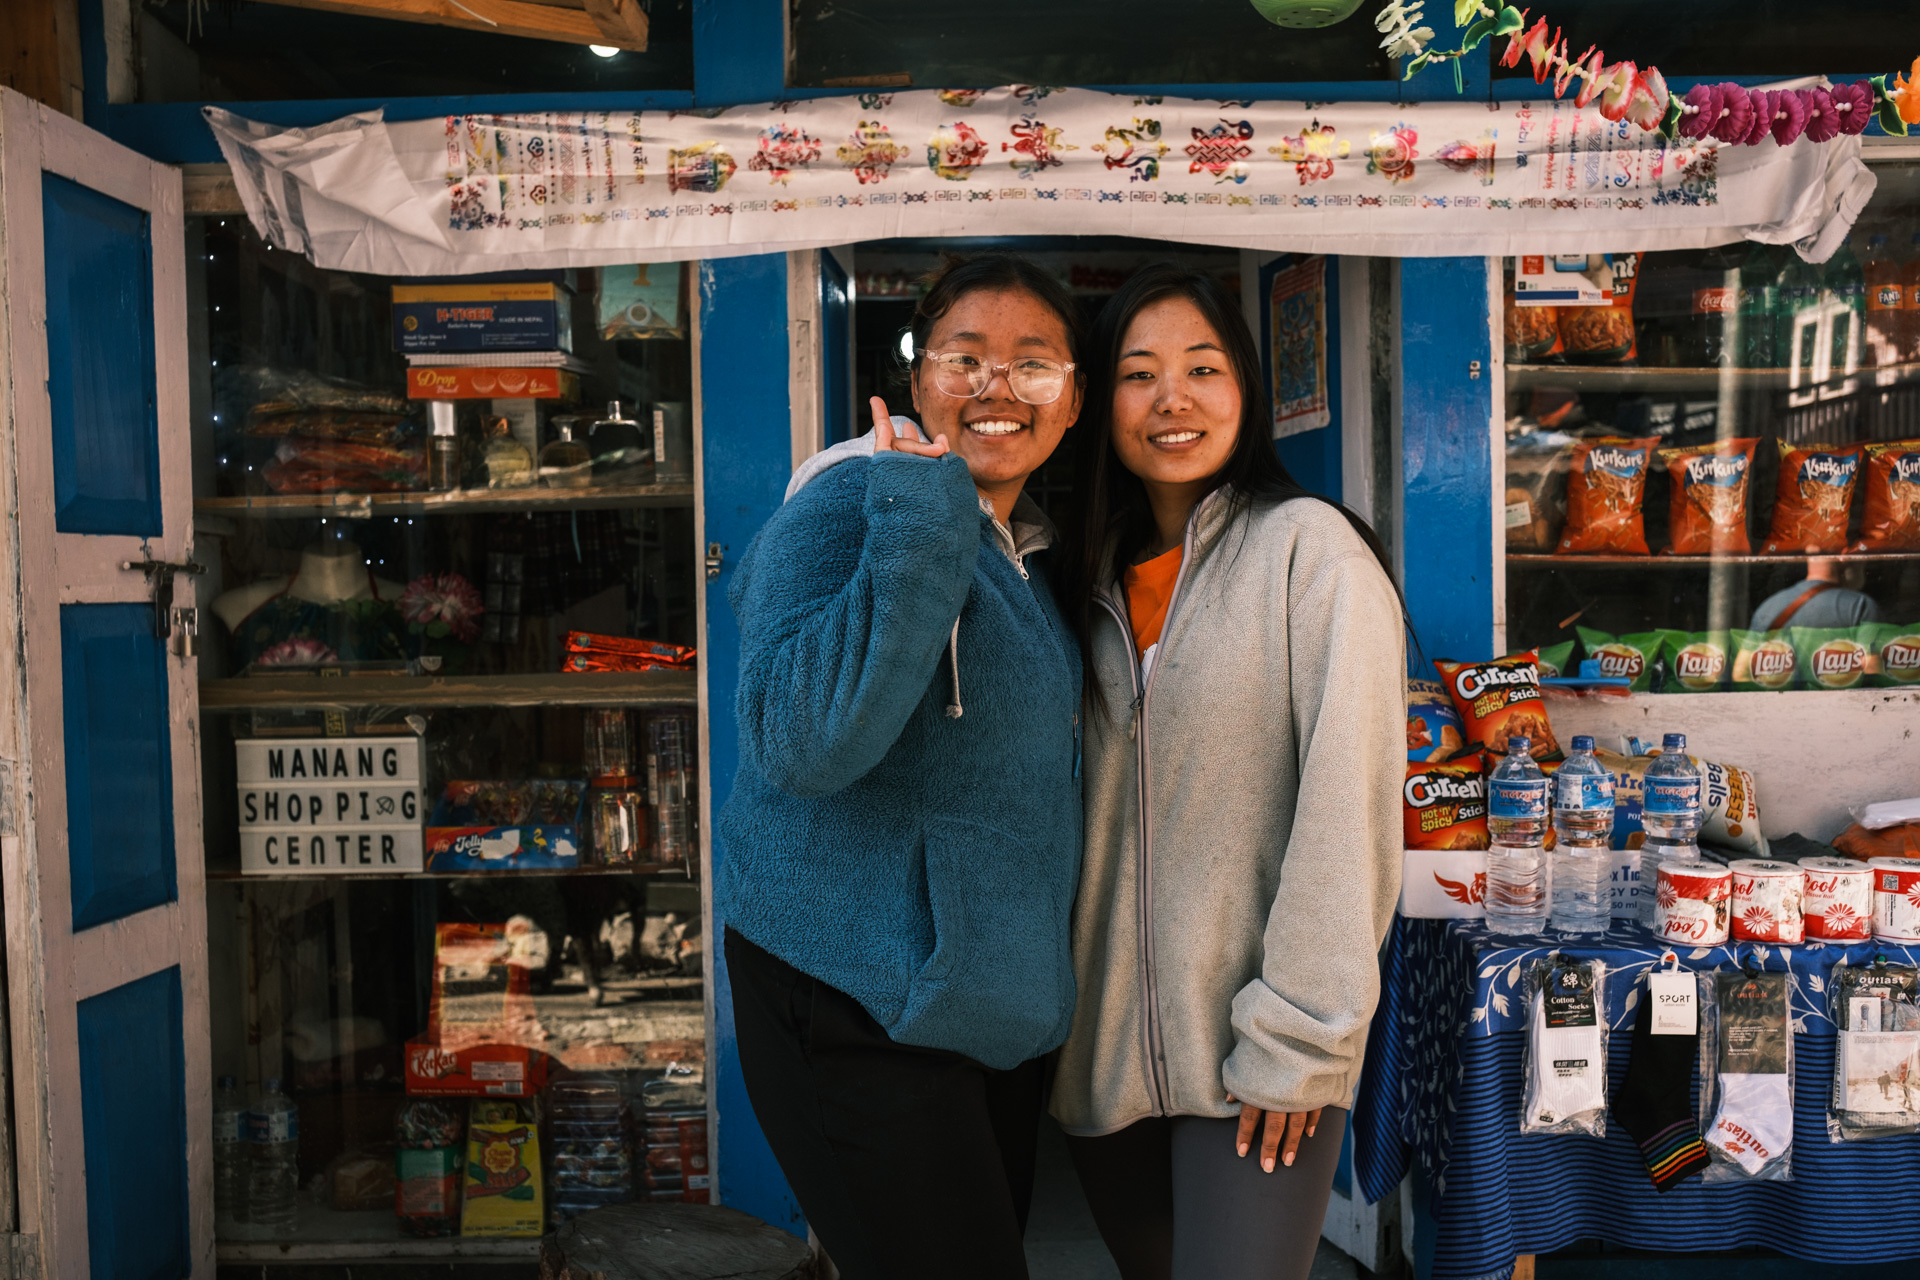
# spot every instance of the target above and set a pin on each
(885, 441)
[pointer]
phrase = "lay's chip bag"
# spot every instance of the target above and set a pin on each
(1446, 805)
(1762, 660)
(1632, 656)
(1434, 731)
(1555, 659)
(1697, 661)
(1896, 650)
(1831, 657)
(1498, 699)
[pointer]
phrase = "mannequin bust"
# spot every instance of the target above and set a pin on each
(331, 572)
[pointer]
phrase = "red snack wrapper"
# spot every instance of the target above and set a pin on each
(1604, 493)
(1893, 497)
(589, 651)
(1498, 699)
(1812, 499)
(1708, 512)
(1446, 805)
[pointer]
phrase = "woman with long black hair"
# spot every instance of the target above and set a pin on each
(1243, 645)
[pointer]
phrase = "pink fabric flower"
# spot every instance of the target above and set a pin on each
(1736, 114)
(1859, 96)
(443, 597)
(296, 653)
(1705, 101)
(1762, 103)
(1790, 116)
(1823, 122)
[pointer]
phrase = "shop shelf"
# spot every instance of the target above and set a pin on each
(323, 1234)
(528, 873)
(572, 689)
(1634, 380)
(458, 502)
(1534, 561)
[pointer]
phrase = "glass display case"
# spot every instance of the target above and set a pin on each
(450, 750)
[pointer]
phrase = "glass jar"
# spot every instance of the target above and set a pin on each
(509, 464)
(622, 452)
(565, 462)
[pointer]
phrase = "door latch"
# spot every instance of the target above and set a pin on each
(716, 553)
(160, 582)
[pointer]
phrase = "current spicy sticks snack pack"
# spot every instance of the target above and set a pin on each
(1498, 699)
(1445, 805)
(1708, 509)
(1892, 487)
(1605, 488)
(1812, 499)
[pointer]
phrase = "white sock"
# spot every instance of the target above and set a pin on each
(1754, 1125)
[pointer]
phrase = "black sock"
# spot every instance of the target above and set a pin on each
(1655, 1104)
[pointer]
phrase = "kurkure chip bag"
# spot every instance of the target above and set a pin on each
(1708, 510)
(1812, 499)
(1896, 650)
(1762, 660)
(1892, 483)
(1498, 699)
(1630, 656)
(1604, 492)
(1831, 657)
(1446, 805)
(1697, 661)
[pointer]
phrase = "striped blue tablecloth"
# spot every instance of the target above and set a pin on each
(1442, 1087)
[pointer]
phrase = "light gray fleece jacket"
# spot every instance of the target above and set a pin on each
(1243, 828)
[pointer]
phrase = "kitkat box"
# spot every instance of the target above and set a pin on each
(511, 825)
(475, 1070)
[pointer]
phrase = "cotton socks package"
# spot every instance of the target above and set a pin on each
(1655, 1102)
(1752, 1131)
(1566, 1069)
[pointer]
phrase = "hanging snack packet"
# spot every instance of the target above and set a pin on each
(1536, 496)
(1752, 1130)
(1892, 483)
(1831, 657)
(1498, 699)
(1433, 726)
(1555, 659)
(1762, 660)
(1896, 654)
(1604, 492)
(1708, 510)
(1697, 661)
(1633, 657)
(1876, 1068)
(1532, 333)
(1446, 805)
(1812, 499)
(1566, 1069)
(1604, 335)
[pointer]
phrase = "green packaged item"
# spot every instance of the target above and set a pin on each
(1762, 660)
(1697, 661)
(1632, 656)
(1555, 658)
(1895, 654)
(1830, 657)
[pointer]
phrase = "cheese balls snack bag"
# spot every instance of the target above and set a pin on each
(1892, 487)
(1555, 659)
(1434, 731)
(1500, 698)
(1812, 499)
(1697, 661)
(1633, 657)
(1762, 660)
(1831, 657)
(1708, 509)
(1446, 805)
(1605, 487)
(1896, 654)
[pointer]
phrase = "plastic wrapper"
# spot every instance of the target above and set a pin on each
(332, 424)
(1747, 1069)
(1605, 335)
(1605, 490)
(305, 465)
(1886, 813)
(1498, 699)
(1696, 661)
(587, 651)
(426, 1187)
(1536, 495)
(1555, 660)
(1902, 840)
(1892, 485)
(1831, 657)
(1707, 513)
(1565, 1065)
(1434, 731)
(270, 392)
(1762, 660)
(1812, 499)
(1896, 654)
(1876, 1063)
(1445, 805)
(1633, 657)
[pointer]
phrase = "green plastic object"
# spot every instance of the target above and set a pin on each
(1306, 13)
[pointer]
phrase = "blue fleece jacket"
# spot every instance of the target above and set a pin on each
(923, 863)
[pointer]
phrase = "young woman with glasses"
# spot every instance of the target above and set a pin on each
(1244, 755)
(898, 855)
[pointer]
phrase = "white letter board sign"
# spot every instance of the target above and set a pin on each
(329, 806)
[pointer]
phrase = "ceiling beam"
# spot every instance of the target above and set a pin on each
(622, 22)
(531, 21)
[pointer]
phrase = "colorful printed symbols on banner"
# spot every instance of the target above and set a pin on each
(1222, 150)
(1470, 157)
(1135, 147)
(871, 152)
(955, 150)
(961, 98)
(1391, 154)
(784, 148)
(1312, 153)
(704, 167)
(1035, 147)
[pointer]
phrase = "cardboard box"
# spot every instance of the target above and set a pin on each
(474, 1071)
(501, 1191)
(437, 382)
(460, 836)
(482, 317)
(1443, 884)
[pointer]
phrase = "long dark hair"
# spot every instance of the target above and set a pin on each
(1113, 522)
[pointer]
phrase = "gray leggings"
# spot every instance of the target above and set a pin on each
(1174, 1202)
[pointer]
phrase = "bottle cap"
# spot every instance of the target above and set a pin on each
(1581, 742)
(1674, 742)
(440, 417)
(1519, 746)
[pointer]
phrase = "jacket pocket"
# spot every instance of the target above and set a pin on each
(999, 984)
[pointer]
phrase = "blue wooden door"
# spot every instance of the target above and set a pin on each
(100, 820)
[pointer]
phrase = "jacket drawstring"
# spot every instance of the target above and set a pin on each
(954, 709)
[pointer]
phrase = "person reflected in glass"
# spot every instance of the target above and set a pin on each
(1829, 596)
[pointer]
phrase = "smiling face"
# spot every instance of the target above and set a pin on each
(1003, 439)
(1176, 402)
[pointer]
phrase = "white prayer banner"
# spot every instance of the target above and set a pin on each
(474, 193)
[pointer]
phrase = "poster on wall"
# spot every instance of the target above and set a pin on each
(1297, 325)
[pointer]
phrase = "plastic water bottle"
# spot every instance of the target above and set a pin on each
(1518, 875)
(229, 1152)
(273, 1142)
(1583, 823)
(1669, 814)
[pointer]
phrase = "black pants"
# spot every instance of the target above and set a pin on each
(1173, 1199)
(910, 1164)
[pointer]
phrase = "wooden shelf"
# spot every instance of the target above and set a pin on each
(363, 506)
(573, 689)
(231, 875)
(1656, 561)
(323, 1234)
(1633, 379)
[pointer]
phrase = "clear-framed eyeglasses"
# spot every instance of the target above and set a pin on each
(1032, 379)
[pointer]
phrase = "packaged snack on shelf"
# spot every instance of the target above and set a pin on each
(1555, 660)
(1532, 334)
(674, 1115)
(1896, 654)
(1708, 510)
(1433, 726)
(1445, 805)
(1604, 494)
(587, 651)
(359, 1181)
(1812, 499)
(272, 392)
(305, 465)
(1536, 494)
(1762, 660)
(1751, 1136)
(506, 825)
(1566, 1053)
(1730, 808)
(349, 425)
(501, 1192)
(590, 1125)
(1498, 699)
(480, 987)
(1832, 657)
(1633, 657)
(1892, 484)
(474, 1070)
(1604, 334)
(1696, 661)
(427, 1142)
(1876, 1064)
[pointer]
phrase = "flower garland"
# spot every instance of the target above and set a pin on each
(1729, 112)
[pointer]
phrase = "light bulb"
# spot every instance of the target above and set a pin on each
(602, 50)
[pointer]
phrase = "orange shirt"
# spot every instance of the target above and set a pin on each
(1149, 591)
